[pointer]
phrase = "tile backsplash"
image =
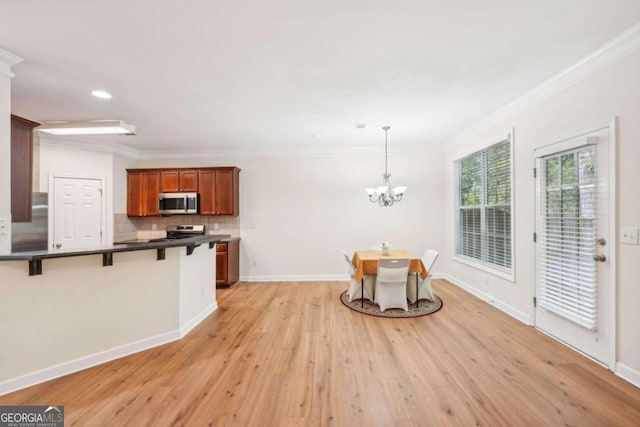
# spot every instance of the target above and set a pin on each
(126, 228)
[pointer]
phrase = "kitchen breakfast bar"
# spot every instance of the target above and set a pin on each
(61, 312)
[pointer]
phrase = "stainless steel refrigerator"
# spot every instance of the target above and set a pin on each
(32, 236)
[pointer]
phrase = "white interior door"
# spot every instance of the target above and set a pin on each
(573, 268)
(77, 213)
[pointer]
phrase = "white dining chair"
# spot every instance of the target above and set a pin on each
(391, 283)
(357, 288)
(423, 290)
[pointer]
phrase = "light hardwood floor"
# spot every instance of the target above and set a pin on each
(290, 354)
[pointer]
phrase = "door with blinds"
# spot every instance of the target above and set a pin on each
(573, 268)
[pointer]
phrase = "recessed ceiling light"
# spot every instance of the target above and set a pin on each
(360, 125)
(101, 94)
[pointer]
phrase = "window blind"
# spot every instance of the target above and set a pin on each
(483, 211)
(567, 238)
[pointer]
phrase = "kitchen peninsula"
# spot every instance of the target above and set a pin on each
(89, 307)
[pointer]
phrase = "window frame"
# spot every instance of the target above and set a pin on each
(482, 263)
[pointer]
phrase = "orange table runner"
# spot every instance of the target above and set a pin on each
(366, 262)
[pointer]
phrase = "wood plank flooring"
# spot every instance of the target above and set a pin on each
(290, 354)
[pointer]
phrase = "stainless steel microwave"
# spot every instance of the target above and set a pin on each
(178, 203)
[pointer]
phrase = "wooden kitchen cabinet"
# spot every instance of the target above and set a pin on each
(178, 180)
(227, 263)
(143, 188)
(218, 188)
(21, 168)
(219, 191)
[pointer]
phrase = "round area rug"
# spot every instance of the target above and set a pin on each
(425, 307)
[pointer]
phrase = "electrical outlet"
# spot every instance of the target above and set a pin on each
(216, 226)
(629, 235)
(154, 227)
(201, 292)
(254, 263)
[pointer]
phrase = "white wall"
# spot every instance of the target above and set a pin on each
(613, 92)
(297, 212)
(6, 61)
(59, 158)
(120, 165)
(197, 293)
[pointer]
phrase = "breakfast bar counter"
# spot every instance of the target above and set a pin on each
(35, 257)
(90, 306)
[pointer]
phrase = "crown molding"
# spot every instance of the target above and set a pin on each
(8, 60)
(615, 50)
(285, 151)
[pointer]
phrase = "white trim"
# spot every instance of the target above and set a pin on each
(537, 194)
(613, 243)
(611, 52)
(195, 320)
(297, 278)
(484, 267)
(502, 306)
(71, 366)
(8, 60)
(261, 152)
(628, 374)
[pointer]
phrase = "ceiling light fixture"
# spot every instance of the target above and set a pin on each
(95, 127)
(384, 195)
(101, 94)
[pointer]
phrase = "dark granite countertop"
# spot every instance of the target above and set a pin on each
(35, 257)
(127, 246)
(225, 237)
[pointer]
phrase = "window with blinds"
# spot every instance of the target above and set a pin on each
(483, 207)
(567, 268)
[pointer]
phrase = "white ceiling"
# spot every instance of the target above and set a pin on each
(278, 75)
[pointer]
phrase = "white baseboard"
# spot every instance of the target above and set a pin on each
(99, 358)
(188, 326)
(628, 374)
(500, 305)
(623, 371)
(85, 362)
(297, 278)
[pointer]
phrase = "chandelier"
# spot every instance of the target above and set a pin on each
(384, 195)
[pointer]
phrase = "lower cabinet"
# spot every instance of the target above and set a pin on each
(227, 263)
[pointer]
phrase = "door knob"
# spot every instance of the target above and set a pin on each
(58, 245)
(599, 257)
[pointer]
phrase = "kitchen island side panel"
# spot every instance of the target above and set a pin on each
(197, 287)
(78, 313)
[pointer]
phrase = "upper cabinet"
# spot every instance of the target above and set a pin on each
(21, 168)
(178, 180)
(143, 188)
(219, 191)
(218, 188)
